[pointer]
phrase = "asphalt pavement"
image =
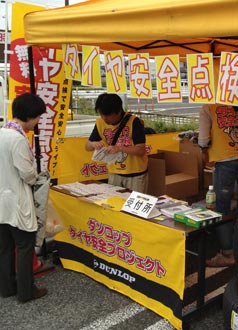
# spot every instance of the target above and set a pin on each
(77, 302)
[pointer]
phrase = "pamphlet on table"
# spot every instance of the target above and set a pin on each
(198, 217)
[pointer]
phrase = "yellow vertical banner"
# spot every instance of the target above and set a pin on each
(227, 91)
(115, 72)
(71, 61)
(140, 83)
(19, 67)
(200, 78)
(91, 75)
(50, 85)
(168, 78)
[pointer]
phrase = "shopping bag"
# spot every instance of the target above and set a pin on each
(54, 223)
(40, 193)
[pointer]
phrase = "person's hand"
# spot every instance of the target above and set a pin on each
(113, 149)
(97, 145)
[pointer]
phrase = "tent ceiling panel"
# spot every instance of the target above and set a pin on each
(154, 26)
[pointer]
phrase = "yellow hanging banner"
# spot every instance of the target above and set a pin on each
(140, 82)
(71, 61)
(200, 78)
(115, 72)
(227, 92)
(168, 78)
(91, 75)
(50, 85)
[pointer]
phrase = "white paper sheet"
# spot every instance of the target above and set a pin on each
(103, 155)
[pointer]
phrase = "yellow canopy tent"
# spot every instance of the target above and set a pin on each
(158, 27)
(154, 26)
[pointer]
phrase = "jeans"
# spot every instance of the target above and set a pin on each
(225, 178)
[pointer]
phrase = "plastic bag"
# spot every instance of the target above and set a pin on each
(40, 193)
(54, 223)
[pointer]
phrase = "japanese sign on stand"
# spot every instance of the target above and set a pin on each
(141, 205)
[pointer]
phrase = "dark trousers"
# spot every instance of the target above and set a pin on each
(16, 262)
(225, 178)
(235, 246)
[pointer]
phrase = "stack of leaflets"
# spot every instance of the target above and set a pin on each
(198, 217)
(165, 201)
(170, 211)
(168, 206)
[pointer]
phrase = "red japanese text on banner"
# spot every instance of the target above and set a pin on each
(200, 78)
(227, 91)
(50, 85)
(140, 82)
(112, 248)
(168, 78)
(71, 61)
(91, 75)
(115, 72)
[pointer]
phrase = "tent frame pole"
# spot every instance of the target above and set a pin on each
(36, 130)
(33, 91)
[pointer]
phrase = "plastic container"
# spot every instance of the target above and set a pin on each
(211, 199)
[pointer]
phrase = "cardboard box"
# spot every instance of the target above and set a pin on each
(174, 174)
(187, 146)
(156, 171)
(207, 178)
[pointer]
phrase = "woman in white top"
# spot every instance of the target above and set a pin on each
(18, 223)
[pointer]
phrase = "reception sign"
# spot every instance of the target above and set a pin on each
(136, 257)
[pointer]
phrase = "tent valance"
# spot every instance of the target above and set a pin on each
(154, 26)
